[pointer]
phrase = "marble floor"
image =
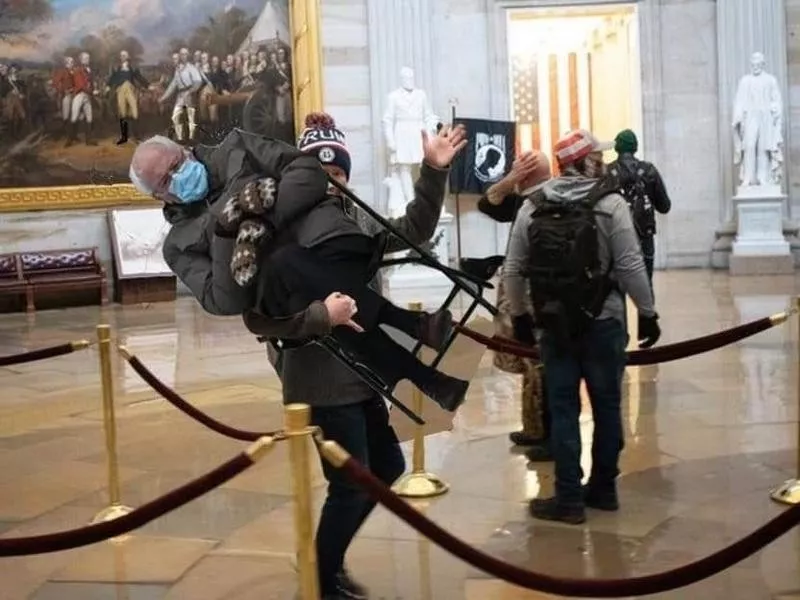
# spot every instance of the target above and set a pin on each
(706, 440)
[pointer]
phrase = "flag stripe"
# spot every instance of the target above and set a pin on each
(574, 111)
(584, 107)
(555, 131)
(543, 97)
(564, 93)
(589, 86)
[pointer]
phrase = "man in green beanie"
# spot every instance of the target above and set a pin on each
(643, 188)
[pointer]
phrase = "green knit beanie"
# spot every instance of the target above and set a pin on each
(626, 142)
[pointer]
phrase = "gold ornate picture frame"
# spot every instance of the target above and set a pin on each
(36, 72)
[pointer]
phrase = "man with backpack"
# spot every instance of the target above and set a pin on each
(640, 183)
(575, 251)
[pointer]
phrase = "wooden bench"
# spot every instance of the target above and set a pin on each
(51, 271)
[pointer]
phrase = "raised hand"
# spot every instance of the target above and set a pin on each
(440, 149)
(524, 165)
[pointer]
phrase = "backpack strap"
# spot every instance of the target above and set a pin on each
(605, 187)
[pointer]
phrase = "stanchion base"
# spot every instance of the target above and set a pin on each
(420, 485)
(788, 493)
(115, 511)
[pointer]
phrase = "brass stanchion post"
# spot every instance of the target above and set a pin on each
(789, 492)
(419, 483)
(115, 509)
(297, 422)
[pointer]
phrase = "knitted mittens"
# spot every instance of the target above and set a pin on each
(243, 217)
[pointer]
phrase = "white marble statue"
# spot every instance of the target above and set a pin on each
(758, 127)
(408, 112)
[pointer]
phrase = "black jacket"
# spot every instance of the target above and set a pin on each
(627, 166)
(133, 75)
(506, 211)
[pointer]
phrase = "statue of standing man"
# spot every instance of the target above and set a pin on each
(758, 126)
(408, 112)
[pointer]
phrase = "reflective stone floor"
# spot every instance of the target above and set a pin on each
(706, 440)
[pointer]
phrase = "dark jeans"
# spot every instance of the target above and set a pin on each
(648, 245)
(363, 430)
(599, 359)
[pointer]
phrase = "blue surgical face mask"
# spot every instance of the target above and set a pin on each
(190, 182)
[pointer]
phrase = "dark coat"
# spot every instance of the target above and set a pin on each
(303, 211)
(133, 74)
(201, 259)
(626, 168)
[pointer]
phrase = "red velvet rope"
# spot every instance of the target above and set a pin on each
(651, 356)
(563, 586)
(186, 407)
(91, 534)
(33, 355)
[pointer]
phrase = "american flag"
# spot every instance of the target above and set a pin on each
(525, 85)
(551, 95)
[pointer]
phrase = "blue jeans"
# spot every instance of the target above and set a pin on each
(363, 430)
(599, 359)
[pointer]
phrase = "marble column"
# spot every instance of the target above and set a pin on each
(744, 27)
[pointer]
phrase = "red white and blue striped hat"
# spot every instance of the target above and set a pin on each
(577, 144)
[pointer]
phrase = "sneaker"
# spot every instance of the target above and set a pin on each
(448, 392)
(539, 453)
(520, 438)
(350, 588)
(550, 509)
(607, 501)
(435, 329)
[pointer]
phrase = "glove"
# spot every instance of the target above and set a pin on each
(254, 199)
(649, 331)
(523, 329)
(229, 218)
(244, 261)
(257, 197)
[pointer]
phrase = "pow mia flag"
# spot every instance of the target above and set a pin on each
(487, 157)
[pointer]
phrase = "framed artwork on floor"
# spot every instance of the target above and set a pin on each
(137, 241)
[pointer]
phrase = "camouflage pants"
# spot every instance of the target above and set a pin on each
(533, 402)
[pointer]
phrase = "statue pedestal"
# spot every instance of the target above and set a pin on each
(417, 283)
(760, 247)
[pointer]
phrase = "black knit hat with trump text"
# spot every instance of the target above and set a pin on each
(322, 139)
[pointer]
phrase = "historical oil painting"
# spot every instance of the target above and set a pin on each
(82, 80)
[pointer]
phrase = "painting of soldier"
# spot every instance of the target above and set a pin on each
(82, 81)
